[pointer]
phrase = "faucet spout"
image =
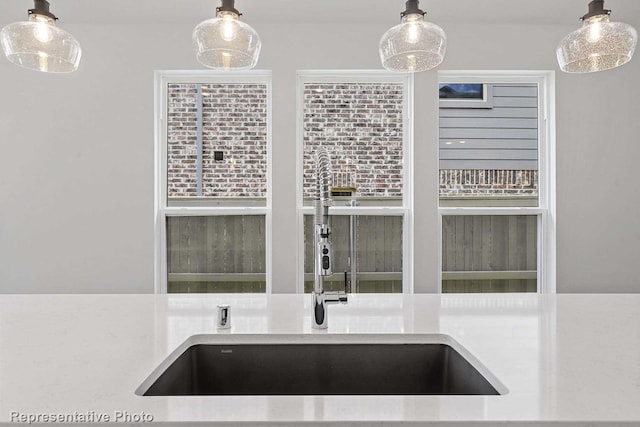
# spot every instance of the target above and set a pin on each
(323, 246)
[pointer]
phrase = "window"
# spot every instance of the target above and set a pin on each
(462, 91)
(466, 95)
(363, 120)
(377, 252)
(212, 192)
(496, 183)
(489, 253)
(222, 253)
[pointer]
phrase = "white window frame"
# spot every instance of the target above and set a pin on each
(546, 209)
(161, 209)
(406, 210)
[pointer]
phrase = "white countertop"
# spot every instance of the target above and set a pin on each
(565, 358)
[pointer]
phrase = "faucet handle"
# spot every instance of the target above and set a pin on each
(336, 296)
(347, 283)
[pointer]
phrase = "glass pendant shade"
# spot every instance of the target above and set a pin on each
(599, 45)
(414, 45)
(38, 44)
(226, 43)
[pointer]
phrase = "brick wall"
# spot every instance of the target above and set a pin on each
(234, 121)
(361, 125)
(181, 140)
(456, 182)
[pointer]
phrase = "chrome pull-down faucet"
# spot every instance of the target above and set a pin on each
(323, 247)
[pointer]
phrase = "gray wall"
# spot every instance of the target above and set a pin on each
(76, 182)
(502, 136)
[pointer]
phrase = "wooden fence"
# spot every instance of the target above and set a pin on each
(479, 253)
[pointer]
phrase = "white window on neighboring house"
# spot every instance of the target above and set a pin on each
(497, 181)
(212, 181)
(363, 119)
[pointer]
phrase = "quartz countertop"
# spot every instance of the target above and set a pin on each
(563, 359)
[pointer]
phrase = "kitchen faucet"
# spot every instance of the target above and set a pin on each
(323, 247)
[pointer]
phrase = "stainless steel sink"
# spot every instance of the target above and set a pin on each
(366, 365)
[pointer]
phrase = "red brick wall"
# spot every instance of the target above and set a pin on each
(361, 125)
(234, 121)
(455, 182)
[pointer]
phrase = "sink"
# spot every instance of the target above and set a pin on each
(228, 365)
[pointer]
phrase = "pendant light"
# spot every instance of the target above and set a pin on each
(414, 45)
(38, 44)
(225, 42)
(599, 45)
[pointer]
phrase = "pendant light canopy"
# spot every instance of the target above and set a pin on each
(414, 45)
(599, 45)
(225, 42)
(38, 44)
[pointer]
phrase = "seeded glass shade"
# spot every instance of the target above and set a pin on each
(414, 45)
(599, 45)
(38, 44)
(226, 43)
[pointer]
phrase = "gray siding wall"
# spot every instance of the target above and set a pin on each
(504, 137)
